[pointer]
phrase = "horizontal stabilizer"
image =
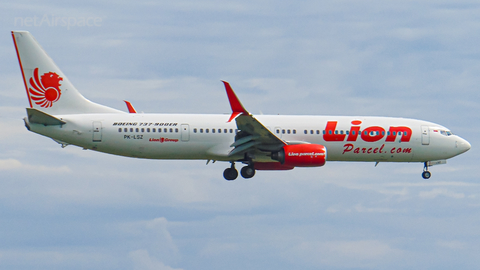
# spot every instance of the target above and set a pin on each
(39, 117)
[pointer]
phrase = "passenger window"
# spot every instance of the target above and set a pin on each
(148, 130)
(283, 131)
(213, 130)
(288, 131)
(201, 130)
(225, 131)
(207, 130)
(176, 130)
(120, 130)
(219, 130)
(125, 129)
(194, 130)
(165, 130)
(305, 131)
(294, 131)
(311, 131)
(143, 130)
(131, 129)
(318, 132)
(231, 130)
(154, 130)
(136, 130)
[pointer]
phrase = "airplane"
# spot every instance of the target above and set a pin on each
(265, 142)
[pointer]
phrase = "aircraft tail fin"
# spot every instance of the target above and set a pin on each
(48, 89)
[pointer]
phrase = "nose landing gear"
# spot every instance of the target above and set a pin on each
(426, 174)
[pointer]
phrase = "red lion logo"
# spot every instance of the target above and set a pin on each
(46, 90)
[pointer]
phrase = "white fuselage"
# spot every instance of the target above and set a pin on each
(208, 137)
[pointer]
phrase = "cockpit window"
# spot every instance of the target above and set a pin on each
(446, 132)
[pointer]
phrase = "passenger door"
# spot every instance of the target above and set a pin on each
(425, 135)
(97, 131)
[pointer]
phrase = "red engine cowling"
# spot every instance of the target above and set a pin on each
(302, 155)
(271, 166)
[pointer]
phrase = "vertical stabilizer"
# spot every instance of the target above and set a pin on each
(48, 89)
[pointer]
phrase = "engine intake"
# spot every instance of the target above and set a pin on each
(301, 155)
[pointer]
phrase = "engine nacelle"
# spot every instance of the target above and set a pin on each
(302, 155)
(271, 166)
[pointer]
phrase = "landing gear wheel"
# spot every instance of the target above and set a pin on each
(426, 174)
(247, 172)
(230, 174)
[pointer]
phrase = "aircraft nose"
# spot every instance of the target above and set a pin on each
(462, 145)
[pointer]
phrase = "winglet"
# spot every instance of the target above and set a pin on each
(237, 107)
(130, 107)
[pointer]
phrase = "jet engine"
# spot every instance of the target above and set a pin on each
(301, 155)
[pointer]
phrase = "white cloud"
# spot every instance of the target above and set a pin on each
(440, 192)
(362, 209)
(13, 164)
(48, 258)
(346, 254)
(215, 248)
(154, 239)
(142, 260)
(455, 244)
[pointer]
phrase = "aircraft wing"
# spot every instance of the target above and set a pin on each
(252, 135)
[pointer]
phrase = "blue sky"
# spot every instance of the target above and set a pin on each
(74, 209)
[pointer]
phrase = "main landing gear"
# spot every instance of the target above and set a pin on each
(232, 173)
(426, 174)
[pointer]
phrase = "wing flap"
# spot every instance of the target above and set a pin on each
(243, 148)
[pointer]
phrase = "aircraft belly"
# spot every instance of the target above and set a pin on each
(156, 150)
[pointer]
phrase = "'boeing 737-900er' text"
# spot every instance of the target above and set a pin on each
(265, 142)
